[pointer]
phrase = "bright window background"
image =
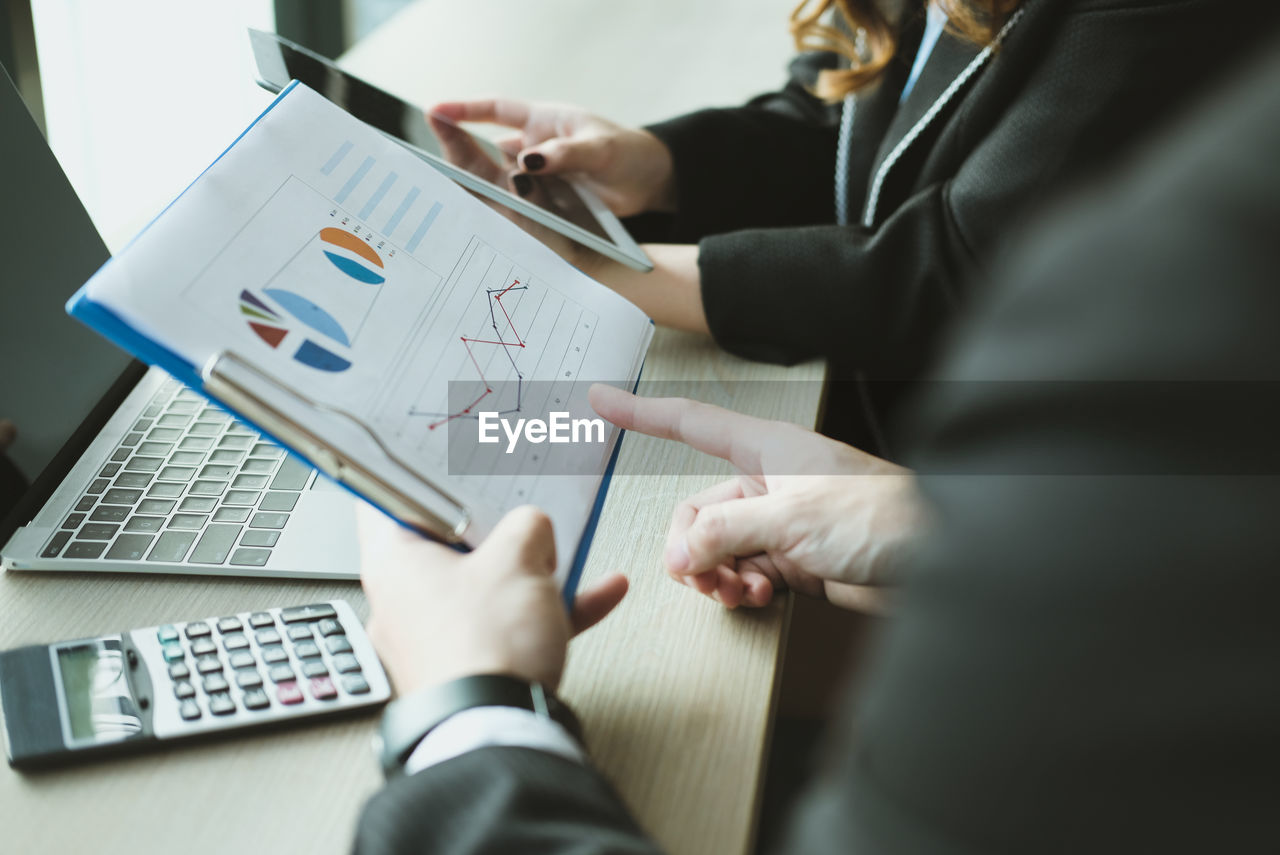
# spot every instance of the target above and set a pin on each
(141, 95)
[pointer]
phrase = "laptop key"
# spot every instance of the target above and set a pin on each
(73, 521)
(266, 449)
(155, 506)
(194, 522)
(208, 488)
(144, 464)
(85, 549)
(166, 490)
(110, 513)
(177, 473)
(173, 420)
(55, 545)
(172, 546)
(98, 531)
(277, 501)
(235, 515)
(131, 440)
(241, 497)
(187, 458)
(269, 520)
(221, 471)
(142, 425)
(237, 442)
(198, 505)
(149, 524)
(121, 496)
(133, 479)
(250, 557)
(226, 455)
(240, 427)
(109, 470)
(204, 429)
(293, 475)
(215, 545)
(164, 434)
(259, 537)
(98, 485)
(130, 547)
(155, 448)
(120, 455)
(250, 482)
(152, 411)
(196, 443)
(259, 466)
(85, 503)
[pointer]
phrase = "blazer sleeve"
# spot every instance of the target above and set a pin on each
(496, 801)
(1066, 100)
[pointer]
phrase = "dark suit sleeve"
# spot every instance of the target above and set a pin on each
(1055, 103)
(498, 801)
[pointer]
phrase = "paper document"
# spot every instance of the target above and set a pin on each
(352, 283)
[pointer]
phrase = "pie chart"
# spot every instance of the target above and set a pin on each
(352, 256)
(270, 326)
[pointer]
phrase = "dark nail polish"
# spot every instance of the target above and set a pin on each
(523, 183)
(533, 162)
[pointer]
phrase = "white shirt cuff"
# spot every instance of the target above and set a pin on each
(481, 727)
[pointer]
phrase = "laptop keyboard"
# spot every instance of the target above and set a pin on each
(187, 484)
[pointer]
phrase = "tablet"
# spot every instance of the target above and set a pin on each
(477, 164)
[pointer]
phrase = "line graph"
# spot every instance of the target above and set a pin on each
(495, 296)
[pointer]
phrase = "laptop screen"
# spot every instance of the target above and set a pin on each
(55, 374)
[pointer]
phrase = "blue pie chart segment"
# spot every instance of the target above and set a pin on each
(354, 269)
(316, 356)
(310, 314)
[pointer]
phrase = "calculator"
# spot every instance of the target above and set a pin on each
(146, 686)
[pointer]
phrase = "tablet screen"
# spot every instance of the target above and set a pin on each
(280, 61)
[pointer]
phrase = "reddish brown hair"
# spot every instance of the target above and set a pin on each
(976, 20)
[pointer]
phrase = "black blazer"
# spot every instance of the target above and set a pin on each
(1078, 664)
(953, 171)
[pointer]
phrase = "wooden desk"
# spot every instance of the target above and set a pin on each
(676, 694)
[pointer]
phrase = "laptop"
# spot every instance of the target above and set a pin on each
(114, 466)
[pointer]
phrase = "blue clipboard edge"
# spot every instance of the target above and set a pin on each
(109, 325)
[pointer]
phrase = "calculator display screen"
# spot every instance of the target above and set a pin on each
(98, 703)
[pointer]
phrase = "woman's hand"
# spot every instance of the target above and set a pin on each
(438, 614)
(809, 513)
(630, 170)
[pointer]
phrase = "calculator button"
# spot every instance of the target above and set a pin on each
(203, 647)
(315, 668)
(167, 633)
(229, 624)
(300, 633)
(198, 629)
(322, 689)
(354, 684)
(274, 654)
(189, 710)
(280, 673)
(242, 659)
(208, 664)
(179, 671)
(289, 693)
(221, 704)
(316, 611)
(214, 683)
(235, 641)
(306, 650)
(344, 662)
(249, 679)
(256, 699)
(338, 644)
(183, 690)
(328, 626)
(172, 652)
(267, 636)
(257, 620)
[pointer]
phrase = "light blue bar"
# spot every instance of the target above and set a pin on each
(422, 229)
(354, 181)
(409, 199)
(376, 198)
(343, 151)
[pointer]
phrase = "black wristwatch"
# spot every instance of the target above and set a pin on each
(408, 719)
